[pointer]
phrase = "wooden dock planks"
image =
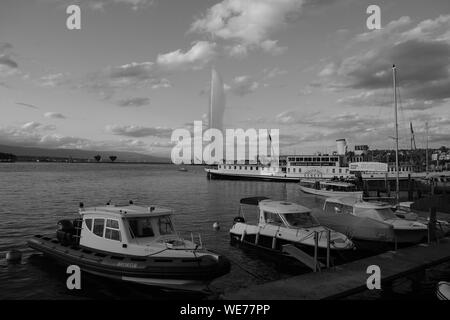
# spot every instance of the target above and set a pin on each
(350, 278)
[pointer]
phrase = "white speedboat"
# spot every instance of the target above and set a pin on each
(133, 244)
(280, 223)
(328, 188)
(371, 221)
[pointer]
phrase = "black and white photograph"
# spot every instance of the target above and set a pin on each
(224, 156)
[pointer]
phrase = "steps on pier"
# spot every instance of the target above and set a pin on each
(301, 256)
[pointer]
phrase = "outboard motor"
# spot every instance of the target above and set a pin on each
(65, 232)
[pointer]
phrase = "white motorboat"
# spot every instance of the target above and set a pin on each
(134, 244)
(443, 290)
(328, 188)
(403, 210)
(372, 221)
(280, 223)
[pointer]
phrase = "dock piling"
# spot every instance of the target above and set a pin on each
(316, 245)
(328, 247)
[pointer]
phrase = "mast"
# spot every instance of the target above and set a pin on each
(426, 154)
(211, 99)
(397, 178)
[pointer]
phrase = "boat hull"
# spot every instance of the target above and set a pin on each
(191, 274)
(264, 246)
(331, 194)
(214, 174)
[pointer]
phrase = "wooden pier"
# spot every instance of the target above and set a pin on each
(348, 279)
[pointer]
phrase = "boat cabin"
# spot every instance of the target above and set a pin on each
(281, 213)
(126, 229)
(375, 210)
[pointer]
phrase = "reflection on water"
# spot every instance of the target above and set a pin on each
(34, 196)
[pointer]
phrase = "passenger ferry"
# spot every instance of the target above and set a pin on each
(291, 168)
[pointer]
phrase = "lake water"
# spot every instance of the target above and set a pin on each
(34, 196)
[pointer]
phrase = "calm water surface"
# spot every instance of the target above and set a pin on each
(34, 196)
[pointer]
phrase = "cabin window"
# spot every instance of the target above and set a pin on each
(141, 227)
(165, 225)
(88, 223)
(112, 230)
(272, 218)
(99, 225)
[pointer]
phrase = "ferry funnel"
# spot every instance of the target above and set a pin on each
(341, 145)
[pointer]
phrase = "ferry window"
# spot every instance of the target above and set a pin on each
(340, 170)
(251, 168)
(99, 225)
(234, 167)
(141, 227)
(334, 170)
(293, 170)
(112, 230)
(88, 223)
(245, 167)
(272, 218)
(240, 167)
(165, 225)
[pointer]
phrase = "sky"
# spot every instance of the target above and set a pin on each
(138, 69)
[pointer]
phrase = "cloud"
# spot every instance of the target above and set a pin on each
(52, 80)
(28, 105)
(8, 66)
(386, 31)
(36, 126)
(248, 23)
(128, 76)
(134, 102)
(200, 54)
(423, 64)
(139, 131)
(54, 115)
(244, 85)
(34, 134)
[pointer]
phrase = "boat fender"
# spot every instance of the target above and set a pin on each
(239, 219)
(216, 226)
(14, 256)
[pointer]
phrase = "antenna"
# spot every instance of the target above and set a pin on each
(394, 78)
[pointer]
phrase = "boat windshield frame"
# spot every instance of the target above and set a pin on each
(152, 225)
(288, 223)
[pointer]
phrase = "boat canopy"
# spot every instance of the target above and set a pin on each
(254, 201)
(282, 207)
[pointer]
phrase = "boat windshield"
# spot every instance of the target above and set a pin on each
(141, 227)
(386, 214)
(300, 219)
(146, 226)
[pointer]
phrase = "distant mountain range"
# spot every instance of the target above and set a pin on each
(80, 154)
